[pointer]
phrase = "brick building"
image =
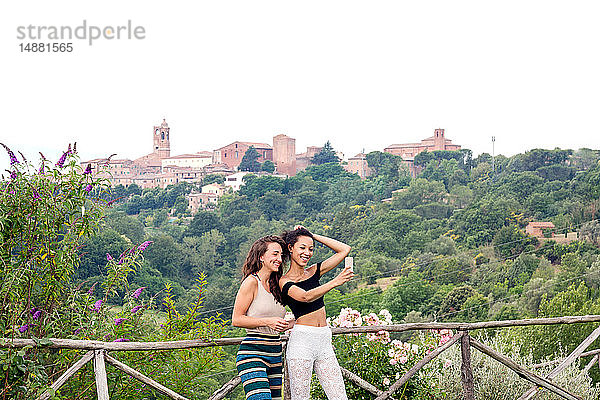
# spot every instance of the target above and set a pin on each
(408, 151)
(195, 161)
(303, 160)
(232, 154)
(157, 169)
(358, 165)
(537, 228)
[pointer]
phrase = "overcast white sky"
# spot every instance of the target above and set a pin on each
(362, 74)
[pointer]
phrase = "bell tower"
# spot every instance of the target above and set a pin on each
(161, 144)
(439, 141)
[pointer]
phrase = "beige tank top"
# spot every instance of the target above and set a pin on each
(263, 306)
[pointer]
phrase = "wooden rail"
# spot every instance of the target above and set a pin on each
(98, 353)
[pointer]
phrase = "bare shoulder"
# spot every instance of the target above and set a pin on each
(249, 283)
(312, 269)
(283, 280)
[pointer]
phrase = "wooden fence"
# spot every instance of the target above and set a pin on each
(98, 353)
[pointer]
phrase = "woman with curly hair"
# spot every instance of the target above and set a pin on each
(259, 356)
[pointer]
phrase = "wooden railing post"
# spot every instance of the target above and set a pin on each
(67, 374)
(566, 362)
(465, 368)
(589, 365)
(100, 372)
(415, 368)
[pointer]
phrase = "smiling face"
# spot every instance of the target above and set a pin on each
(271, 260)
(302, 250)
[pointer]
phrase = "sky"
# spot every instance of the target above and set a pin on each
(361, 74)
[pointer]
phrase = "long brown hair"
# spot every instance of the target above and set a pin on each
(253, 264)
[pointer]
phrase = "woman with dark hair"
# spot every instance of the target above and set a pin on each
(259, 356)
(310, 339)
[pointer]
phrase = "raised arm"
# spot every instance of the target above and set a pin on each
(244, 298)
(341, 251)
(307, 296)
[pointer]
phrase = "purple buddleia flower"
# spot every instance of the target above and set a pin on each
(144, 245)
(135, 309)
(36, 195)
(69, 149)
(37, 314)
(23, 157)
(75, 148)
(97, 305)
(121, 340)
(23, 328)
(88, 188)
(88, 170)
(93, 286)
(123, 254)
(77, 331)
(109, 257)
(119, 321)
(42, 171)
(138, 292)
(13, 159)
(131, 251)
(61, 162)
(13, 174)
(32, 311)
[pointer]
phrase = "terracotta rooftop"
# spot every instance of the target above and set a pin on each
(542, 224)
(202, 154)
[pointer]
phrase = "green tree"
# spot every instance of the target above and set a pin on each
(213, 178)
(202, 222)
(408, 293)
(326, 155)
(257, 186)
(250, 161)
(272, 204)
(126, 225)
(455, 300)
(510, 241)
(165, 256)
(326, 172)
(386, 164)
(585, 158)
(268, 166)
(420, 191)
(95, 249)
(546, 341)
(478, 224)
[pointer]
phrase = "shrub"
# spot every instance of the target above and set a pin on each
(47, 214)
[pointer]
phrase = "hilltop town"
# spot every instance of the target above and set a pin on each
(161, 169)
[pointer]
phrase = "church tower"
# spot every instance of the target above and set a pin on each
(162, 146)
(439, 141)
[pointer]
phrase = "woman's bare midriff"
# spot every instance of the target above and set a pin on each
(315, 318)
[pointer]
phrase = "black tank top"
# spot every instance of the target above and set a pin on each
(300, 308)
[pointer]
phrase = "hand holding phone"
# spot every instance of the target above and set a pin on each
(349, 263)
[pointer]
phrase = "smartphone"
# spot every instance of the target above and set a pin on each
(349, 263)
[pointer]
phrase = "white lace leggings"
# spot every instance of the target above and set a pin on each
(308, 346)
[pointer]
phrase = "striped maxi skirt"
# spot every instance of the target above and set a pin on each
(259, 366)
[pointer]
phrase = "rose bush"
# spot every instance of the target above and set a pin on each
(381, 360)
